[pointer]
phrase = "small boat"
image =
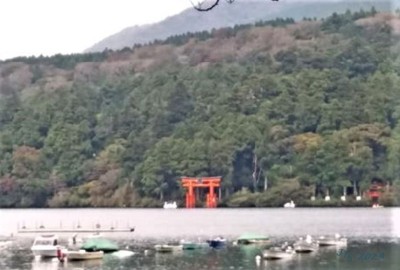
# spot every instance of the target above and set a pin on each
(46, 246)
(305, 246)
(81, 255)
(250, 238)
(289, 205)
(170, 205)
(377, 205)
(218, 242)
(168, 248)
(332, 241)
(99, 244)
(187, 245)
(277, 253)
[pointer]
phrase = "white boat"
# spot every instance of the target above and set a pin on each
(332, 241)
(376, 205)
(168, 248)
(46, 246)
(277, 253)
(289, 205)
(305, 246)
(80, 255)
(170, 205)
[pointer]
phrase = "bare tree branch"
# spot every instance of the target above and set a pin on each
(199, 7)
(212, 4)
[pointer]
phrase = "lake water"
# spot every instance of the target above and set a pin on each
(373, 236)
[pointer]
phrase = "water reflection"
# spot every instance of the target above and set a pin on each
(39, 264)
(276, 265)
(54, 264)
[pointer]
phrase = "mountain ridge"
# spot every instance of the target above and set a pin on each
(228, 15)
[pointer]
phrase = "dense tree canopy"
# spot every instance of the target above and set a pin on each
(278, 109)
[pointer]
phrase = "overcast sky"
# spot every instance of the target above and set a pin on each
(34, 27)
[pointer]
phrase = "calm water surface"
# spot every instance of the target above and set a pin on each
(373, 237)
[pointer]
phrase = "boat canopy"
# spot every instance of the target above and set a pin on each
(100, 244)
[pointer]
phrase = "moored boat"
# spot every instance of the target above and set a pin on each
(218, 242)
(170, 205)
(168, 248)
(289, 205)
(81, 255)
(277, 253)
(324, 241)
(46, 246)
(251, 238)
(99, 244)
(305, 246)
(187, 245)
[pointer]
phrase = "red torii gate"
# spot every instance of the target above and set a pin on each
(202, 182)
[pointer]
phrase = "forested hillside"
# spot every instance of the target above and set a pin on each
(280, 110)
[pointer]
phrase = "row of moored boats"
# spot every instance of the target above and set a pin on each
(303, 245)
(95, 246)
(47, 246)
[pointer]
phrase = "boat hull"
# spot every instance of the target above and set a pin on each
(331, 243)
(83, 255)
(216, 243)
(46, 251)
(274, 255)
(253, 241)
(305, 246)
(304, 249)
(168, 248)
(193, 246)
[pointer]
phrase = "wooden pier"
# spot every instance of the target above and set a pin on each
(75, 229)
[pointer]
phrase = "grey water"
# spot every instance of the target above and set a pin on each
(373, 237)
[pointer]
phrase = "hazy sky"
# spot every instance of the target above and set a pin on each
(34, 27)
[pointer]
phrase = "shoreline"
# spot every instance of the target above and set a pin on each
(179, 208)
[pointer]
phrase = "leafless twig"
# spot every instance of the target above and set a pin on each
(211, 4)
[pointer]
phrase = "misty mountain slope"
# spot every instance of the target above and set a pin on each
(225, 14)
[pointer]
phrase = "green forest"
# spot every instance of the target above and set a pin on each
(281, 110)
